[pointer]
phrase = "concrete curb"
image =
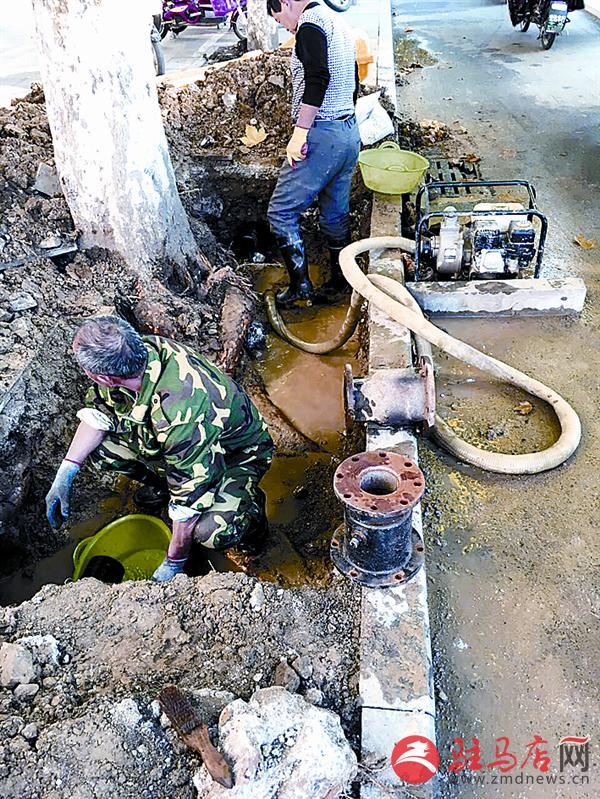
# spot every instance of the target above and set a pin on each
(396, 675)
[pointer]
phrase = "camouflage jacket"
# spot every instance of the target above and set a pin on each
(189, 415)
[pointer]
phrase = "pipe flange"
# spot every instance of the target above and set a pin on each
(376, 579)
(379, 483)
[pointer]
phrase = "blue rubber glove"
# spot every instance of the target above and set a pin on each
(59, 496)
(168, 569)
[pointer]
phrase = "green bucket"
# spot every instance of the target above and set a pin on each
(389, 170)
(139, 542)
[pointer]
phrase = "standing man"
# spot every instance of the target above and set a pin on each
(165, 416)
(324, 148)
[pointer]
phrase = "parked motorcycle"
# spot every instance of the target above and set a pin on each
(179, 15)
(551, 16)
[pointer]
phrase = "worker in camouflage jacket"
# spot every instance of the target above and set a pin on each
(165, 416)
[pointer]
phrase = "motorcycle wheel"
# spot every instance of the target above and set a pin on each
(524, 24)
(339, 5)
(159, 58)
(547, 40)
(240, 26)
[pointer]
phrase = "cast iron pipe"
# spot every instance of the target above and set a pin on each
(376, 545)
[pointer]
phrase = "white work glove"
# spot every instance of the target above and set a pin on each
(168, 569)
(297, 148)
(59, 497)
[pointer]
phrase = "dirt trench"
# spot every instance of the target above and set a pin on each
(223, 632)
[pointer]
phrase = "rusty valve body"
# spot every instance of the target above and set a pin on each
(376, 545)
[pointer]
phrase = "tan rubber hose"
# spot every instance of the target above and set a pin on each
(395, 300)
(403, 309)
(316, 347)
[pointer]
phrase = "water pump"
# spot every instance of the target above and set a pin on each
(491, 240)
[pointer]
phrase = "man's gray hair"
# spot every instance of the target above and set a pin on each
(108, 345)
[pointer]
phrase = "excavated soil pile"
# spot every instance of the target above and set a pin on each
(34, 295)
(209, 117)
(84, 664)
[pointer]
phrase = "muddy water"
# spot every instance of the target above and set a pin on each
(308, 389)
(58, 568)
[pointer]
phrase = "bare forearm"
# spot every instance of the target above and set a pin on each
(181, 540)
(85, 441)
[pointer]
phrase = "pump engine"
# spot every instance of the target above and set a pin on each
(490, 240)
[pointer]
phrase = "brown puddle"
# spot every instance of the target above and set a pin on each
(302, 509)
(58, 568)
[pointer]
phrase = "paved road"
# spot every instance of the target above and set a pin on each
(19, 63)
(514, 593)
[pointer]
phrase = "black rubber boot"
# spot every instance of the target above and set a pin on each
(337, 285)
(300, 288)
(255, 539)
(153, 495)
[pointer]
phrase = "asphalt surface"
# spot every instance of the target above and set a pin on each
(513, 562)
(19, 63)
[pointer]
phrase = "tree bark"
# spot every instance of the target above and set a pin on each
(109, 142)
(262, 29)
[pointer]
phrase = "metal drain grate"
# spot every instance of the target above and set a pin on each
(444, 171)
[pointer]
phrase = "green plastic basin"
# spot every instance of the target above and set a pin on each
(389, 170)
(137, 541)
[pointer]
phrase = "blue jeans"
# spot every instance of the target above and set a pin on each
(326, 174)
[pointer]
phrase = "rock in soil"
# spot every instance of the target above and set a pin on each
(99, 731)
(16, 666)
(280, 745)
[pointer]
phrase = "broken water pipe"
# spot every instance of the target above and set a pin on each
(377, 545)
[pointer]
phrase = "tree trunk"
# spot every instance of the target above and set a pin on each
(262, 29)
(109, 143)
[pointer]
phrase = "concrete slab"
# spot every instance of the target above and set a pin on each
(395, 683)
(525, 297)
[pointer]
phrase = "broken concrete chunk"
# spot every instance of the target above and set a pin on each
(303, 667)
(50, 242)
(287, 677)
(47, 182)
(280, 745)
(314, 696)
(257, 597)
(24, 302)
(277, 80)
(20, 328)
(126, 713)
(16, 666)
(229, 100)
(44, 649)
(30, 732)
(25, 693)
